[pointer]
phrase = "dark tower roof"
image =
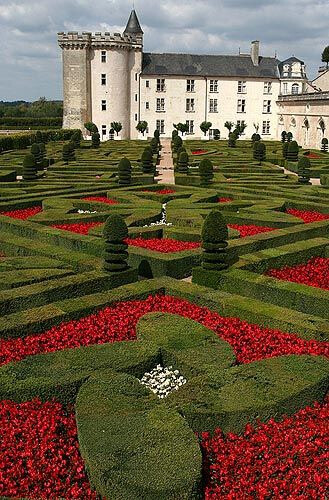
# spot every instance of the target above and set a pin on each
(133, 27)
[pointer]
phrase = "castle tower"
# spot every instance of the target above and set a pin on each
(101, 78)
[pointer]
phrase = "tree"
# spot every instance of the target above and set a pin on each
(38, 137)
(214, 236)
(91, 127)
(285, 147)
(205, 126)
(72, 150)
(95, 140)
(154, 145)
(259, 151)
(255, 137)
(76, 138)
(157, 135)
(324, 145)
(229, 125)
(231, 140)
(177, 143)
(325, 56)
(206, 172)
(29, 168)
(182, 127)
(304, 173)
(124, 172)
(117, 127)
(183, 163)
(142, 127)
(174, 134)
(240, 128)
(146, 161)
(35, 151)
(43, 156)
(289, 136)
(115, 232)
(293, 150)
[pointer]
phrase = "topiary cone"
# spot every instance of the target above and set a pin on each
(147, 163)
(183, 163)
(206, 172)
(124, 172)
(304, 173)
(29, 168)
(115, 232)
(214, 237)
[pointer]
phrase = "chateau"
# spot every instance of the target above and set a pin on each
(109, 78)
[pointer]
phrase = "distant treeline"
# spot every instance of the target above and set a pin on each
(38, 109)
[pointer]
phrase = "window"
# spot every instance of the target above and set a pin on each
(147, 105)
(103, 56)
(266, 106)
(241, 105)
(285, 88)
(136, 117)
(103, 129)
(266, 127)
(190, 85)
(136, 77)
(160, 105)
(267, 87)
(147, 84)
(213, 85)
(190, 105)
(136, 97)
(161, 85)
(213, 106)
(190, 124)
(160, 126)
(242, 87)
(295, 88)
(103, 105)
(241, 123)
(103, 79)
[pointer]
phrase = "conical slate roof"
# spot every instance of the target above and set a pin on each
(133, 27)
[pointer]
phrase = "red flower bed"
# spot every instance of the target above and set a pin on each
(163, 245)
(24, 213)
(159, 191)
(80, 228)
(306, 216)
(199, 152)
(224, 200)
(118, 322)
(314, 273)
(285, 460)
(39, 452)
(101, 199)
(250, 230)
(311, 155)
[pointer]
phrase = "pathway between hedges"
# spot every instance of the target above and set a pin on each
(166, 166)
(314, 181)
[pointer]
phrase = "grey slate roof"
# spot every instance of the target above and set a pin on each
(291, 60)
(133, 27)
(209, 65)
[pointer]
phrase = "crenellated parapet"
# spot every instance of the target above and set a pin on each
(75, 40)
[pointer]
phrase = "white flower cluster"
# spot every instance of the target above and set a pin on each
(86, 212)
(163, 220)
(162, 381)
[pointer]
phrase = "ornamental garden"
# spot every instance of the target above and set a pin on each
(163, 341)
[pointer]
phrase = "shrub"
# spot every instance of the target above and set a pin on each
(304, 174)
(76, 138)
(293, 150)
(91, 127)
(289, 136)
(285, 147)
(124, 172)
(183, 163)
(157, 135)
(146, 161)
(174, 134)
(115, 232)
(29, 168)
(229, 125)
(35, 151)
(283, 136)
(154, 144)
(95, 140)
(206, 172)
(231, 140)
(214, 238)
(142, 127)
(38, 137)
(66, 155)
(259, 151)
(205, 126)
(324, 145)
(72, 150)
(216, 134)
(177, 143)
(255, 137)
(117, 127)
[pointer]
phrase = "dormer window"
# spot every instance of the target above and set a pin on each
(295, 88)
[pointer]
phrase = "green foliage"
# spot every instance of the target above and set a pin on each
(147, 161)
(259, 151)
(95, 140)
(293, 150)
(76, 138)
(216, 134)
(66, 153)
(154, 144)
(255, 137)
(206, 172)
(115, 231)
(157, 134)
(324, 145)
(124, 172)
(35, 151)
(142, 127)
(177, 143)
(240, 128)
(117, 127)
(283, 136)
(91, 127)
(205, 126)
(304, 166)
(181, 127)
(183, 163)
(231, 140)
(325, 55)
(41, 112)
(289, 136)
(285, 147)
(229, 125)
(72, 150)
(29, 168)
(174, 134)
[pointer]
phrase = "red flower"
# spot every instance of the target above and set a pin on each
(306, 216)
(159, 191)
(163, 245)
(224, 200)
(101, 199)
(199, 152)
(80, 227)
(314, 273)
(24, 213)
(250, 230)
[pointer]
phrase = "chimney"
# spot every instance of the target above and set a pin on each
(255, 52)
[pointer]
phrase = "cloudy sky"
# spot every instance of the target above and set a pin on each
(30, 61)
